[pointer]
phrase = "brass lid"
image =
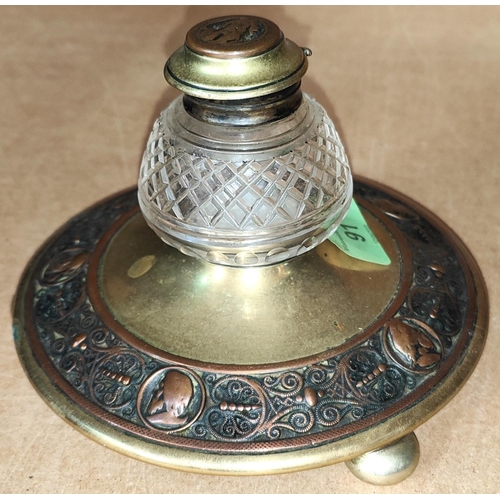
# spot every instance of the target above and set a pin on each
(235, 57)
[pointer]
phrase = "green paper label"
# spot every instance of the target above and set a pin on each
(356, 239)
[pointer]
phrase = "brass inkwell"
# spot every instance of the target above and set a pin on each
(250, 343)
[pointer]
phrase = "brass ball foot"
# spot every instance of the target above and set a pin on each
(388, 465)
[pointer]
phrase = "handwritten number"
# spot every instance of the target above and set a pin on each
(350, 234)
(354, 236)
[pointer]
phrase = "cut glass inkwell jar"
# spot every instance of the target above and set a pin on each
(211, 321)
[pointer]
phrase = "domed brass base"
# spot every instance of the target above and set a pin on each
(205, 368)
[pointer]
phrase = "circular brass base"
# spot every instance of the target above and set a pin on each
(205, 368)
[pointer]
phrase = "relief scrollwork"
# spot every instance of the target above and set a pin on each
(74, 366)
(101, 339)
(429, 275)
(86, 319)
(114, 377)
(360, 383)
(239, 411)
(291, 404)
(438, 309)
(245, 408)
(375, 381)
(296, 419)
(283, 387)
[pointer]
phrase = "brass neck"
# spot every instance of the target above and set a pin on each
(245, 112)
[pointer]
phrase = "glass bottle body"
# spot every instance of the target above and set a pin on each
(245, 195)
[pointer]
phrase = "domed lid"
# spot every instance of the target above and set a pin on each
(235, 57)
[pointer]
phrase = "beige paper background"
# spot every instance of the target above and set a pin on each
(415, 93)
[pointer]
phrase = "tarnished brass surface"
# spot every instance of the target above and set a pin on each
(388, 465)
(253, 316)
(245, 57)
(166, 409)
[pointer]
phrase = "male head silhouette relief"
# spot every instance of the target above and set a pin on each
(171, 400)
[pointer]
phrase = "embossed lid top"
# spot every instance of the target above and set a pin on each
(235, 57)
(233, 37)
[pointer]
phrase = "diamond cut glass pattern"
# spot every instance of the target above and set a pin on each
(269, 208)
